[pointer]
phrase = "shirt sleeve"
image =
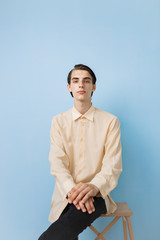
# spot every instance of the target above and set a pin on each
(59, 161)
(107, 179)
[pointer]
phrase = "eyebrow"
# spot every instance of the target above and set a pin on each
(83, 78)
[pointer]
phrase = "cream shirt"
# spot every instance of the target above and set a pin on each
(84, 148)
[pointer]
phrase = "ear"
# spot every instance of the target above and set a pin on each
(94, 87)
(69, 88)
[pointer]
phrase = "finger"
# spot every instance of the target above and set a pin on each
(81, 194)
(75, 188)
(82, 206)
(80, 187)
(78, 190)
(72, 194)
(91, 204)
(78, 206)
(92, 199)
(88, 206)
(87, 196)
(68, 194)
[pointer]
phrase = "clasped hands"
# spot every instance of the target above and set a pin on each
(82, 196)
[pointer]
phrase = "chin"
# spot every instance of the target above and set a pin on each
(80, 99)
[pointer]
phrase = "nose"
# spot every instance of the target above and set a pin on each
(81, 84)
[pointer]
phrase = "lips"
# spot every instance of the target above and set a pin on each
(81, 92)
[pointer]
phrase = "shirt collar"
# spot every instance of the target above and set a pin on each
(89, 114)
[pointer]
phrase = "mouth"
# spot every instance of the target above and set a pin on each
(81, 92)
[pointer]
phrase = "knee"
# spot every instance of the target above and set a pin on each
(42, 237)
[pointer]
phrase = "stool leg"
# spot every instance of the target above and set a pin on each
(96, 232)
(124, 227)
(107, 228)
(130, 228)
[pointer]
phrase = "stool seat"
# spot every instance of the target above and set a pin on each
(122, 210)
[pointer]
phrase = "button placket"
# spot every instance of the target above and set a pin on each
(81, 145)
(82, 138)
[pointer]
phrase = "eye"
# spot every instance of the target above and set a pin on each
(75, 81)
(87, 81)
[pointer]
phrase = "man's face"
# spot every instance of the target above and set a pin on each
(81, 85)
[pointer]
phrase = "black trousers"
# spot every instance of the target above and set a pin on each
(72, 222)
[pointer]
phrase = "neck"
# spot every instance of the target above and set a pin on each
(82, 107)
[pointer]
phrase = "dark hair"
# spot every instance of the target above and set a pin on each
(82, 67)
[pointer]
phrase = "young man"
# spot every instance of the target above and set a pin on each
(85, 158)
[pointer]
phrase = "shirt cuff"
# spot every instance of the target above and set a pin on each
(100, 183)
(67, 186)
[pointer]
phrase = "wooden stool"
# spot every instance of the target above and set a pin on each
(122, 211)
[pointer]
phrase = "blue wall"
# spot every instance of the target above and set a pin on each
(40, 42)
